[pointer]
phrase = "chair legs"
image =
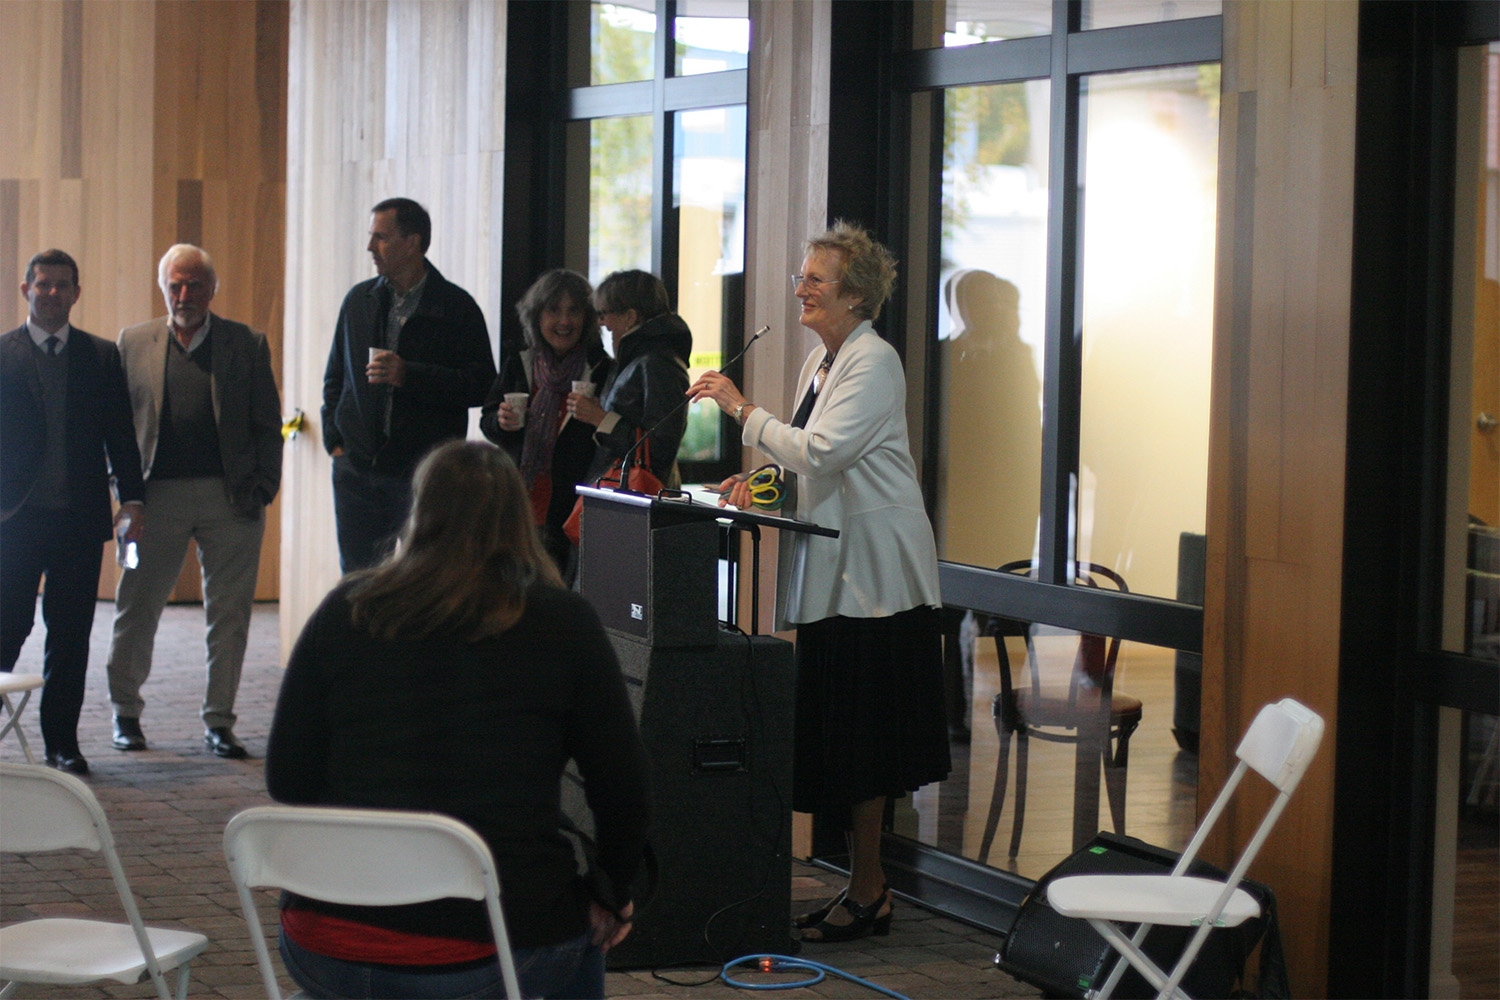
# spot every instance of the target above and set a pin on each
(1129, 950)
(1115, 764)
(1002, 776)
(1116, 768)
(1023, 753)
(13, 721)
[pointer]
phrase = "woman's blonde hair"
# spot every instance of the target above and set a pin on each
(465, 557)
(869, 269)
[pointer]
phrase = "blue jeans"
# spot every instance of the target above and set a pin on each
(573, 969)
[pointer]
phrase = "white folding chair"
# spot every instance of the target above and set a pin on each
(22, 684)
(1279, 745)
(46, 810)
(363, 857)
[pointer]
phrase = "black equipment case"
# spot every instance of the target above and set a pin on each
(1065, 957)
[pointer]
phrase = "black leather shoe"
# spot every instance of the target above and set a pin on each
(128, 735)
(73, 763)
(222, 743)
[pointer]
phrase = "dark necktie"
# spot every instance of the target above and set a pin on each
(54, 344)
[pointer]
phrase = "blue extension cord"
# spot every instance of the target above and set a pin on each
(781, 963)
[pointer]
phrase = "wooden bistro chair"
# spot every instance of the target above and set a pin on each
(1044, 709)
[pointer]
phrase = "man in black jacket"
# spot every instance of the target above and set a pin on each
(411, 354)
(65, 435)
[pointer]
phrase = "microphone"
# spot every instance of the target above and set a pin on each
(624, 487)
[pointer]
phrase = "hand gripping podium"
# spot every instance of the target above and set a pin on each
(715, 712)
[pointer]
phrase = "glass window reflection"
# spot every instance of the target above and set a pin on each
(970, 22)
(620, 37)
(1149, 174)
(619, 195)
(1472, 559)
(708, 194)
(712, 36)
(972, 814)
(1117, 13)
(991, 302)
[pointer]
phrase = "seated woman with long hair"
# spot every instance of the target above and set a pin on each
(459, 677)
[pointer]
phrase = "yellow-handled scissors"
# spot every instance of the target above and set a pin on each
(767, 490)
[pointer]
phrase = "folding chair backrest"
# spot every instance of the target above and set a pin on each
(42, 809)
(1281, 742)
(360, 857)
(48, 810)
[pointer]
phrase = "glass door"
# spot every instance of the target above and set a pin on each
(1465, 932)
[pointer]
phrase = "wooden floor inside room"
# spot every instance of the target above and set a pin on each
(1476, 908)
(1161, 785)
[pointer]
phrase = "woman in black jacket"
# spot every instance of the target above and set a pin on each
(564, 356)
(646, 394)
(459, 677)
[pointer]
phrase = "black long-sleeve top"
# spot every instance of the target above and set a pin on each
(478, 731)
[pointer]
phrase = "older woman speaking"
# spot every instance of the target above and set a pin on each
(869, 717)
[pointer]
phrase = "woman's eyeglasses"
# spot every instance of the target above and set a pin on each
(812, 281)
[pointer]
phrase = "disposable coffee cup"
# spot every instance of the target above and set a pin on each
(373, 352)
(584, 389)
(517, 401)
(126, 553)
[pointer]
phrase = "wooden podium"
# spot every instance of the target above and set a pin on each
(715, 709)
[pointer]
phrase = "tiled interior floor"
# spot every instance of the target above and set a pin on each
(168, 806)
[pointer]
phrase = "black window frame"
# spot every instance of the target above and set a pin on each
(544, 36)
(1064, 57)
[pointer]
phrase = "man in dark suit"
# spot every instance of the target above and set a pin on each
(208, 421)
(65, 435)
(410, 356)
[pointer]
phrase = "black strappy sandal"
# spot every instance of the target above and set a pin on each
(866, 920)
(814, 917)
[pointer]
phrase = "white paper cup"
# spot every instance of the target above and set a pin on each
(374, 352)
(517, 401)
(584, 389)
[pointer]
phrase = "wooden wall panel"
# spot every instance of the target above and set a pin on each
(414, 106)
(138, 124)
(1278, 427)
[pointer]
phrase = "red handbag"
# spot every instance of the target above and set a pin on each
(642, 480)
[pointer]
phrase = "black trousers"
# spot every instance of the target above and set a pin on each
(33, 544)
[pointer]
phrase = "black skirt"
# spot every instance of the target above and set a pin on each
(870, 720)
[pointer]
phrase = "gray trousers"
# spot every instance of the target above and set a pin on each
(229, 554)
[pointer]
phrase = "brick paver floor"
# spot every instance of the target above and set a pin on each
(168, 806)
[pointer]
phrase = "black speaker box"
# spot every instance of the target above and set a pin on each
(1066, 957)
(650, 570)
(717, 724)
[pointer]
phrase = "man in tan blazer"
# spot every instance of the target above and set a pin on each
(208, 422)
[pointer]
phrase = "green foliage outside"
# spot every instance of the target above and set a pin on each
(982, 127)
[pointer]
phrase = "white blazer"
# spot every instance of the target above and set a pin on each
(854, 473)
